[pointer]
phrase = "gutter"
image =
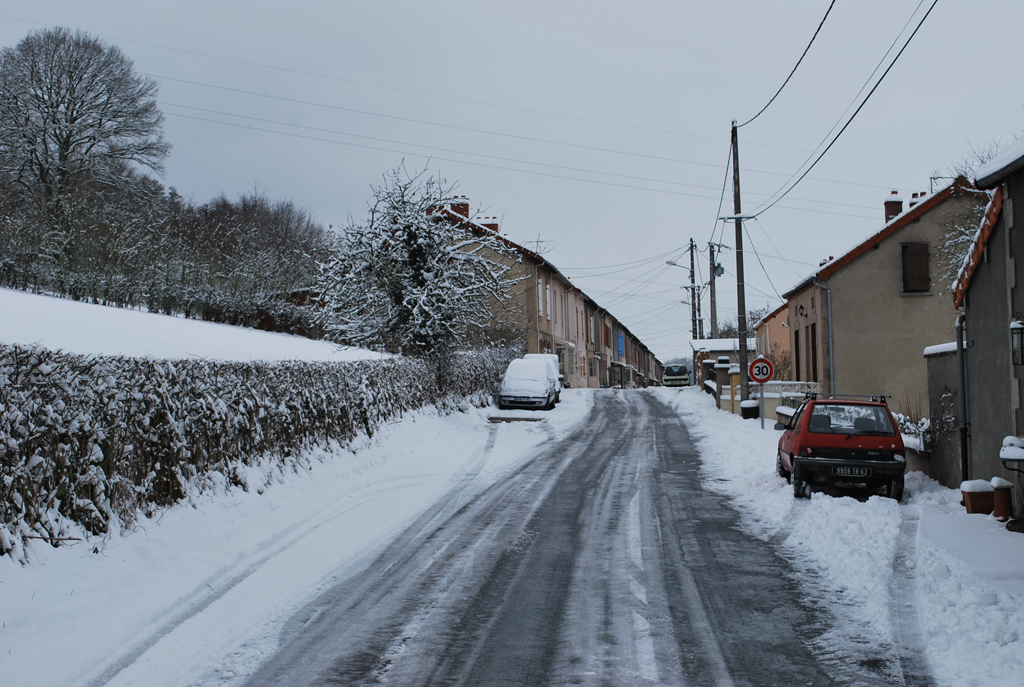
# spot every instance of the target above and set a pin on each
(831, 351)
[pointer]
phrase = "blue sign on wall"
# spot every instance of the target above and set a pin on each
(622, 345)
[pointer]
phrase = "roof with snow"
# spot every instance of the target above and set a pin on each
(1001, 166)
(973, 258)
(959, 185)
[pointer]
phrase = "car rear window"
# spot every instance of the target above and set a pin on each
(843, 418)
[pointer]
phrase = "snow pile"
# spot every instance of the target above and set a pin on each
(969, 570)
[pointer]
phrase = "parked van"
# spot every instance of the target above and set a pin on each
(552, 361)
(676, 375)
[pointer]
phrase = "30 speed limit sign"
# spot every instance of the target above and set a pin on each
(761, 370)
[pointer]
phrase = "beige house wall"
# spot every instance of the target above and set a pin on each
(880, 332)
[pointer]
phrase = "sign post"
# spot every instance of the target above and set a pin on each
(761, 371)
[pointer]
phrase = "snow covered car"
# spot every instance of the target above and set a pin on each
(528, 383)
(676, 375)
(843, 442)
(552, 360)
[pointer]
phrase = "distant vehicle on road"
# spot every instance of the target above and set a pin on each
(528, 384)
(676, 375)
(843, 442)
(552, 361)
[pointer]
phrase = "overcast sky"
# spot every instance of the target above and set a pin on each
(600, 128)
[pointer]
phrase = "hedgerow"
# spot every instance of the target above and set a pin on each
(93, 441)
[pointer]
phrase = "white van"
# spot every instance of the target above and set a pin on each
(552, 360)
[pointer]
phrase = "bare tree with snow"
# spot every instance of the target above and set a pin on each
(414, 278)
(73, 111)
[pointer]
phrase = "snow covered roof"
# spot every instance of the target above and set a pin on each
(940, 349)
(1001, 166)
(973, 258)
(959, 185)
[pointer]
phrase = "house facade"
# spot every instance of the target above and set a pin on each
(991, 290)
(859, 324)
(551, 315)
(773, 341)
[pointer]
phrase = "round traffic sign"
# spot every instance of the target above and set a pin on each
(761, 370)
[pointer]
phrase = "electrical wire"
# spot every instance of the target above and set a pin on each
(764, 208)
(802, 56)
(750, 242)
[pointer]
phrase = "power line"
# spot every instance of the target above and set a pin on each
(854, 115)
(486, 132)
(481, 164)
(802, 56)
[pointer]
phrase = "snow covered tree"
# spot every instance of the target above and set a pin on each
(73, 111)
(414, 278)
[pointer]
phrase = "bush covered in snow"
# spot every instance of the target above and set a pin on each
(91, 441)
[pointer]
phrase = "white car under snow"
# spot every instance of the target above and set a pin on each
(528, 384)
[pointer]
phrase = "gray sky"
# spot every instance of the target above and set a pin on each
(601, 127)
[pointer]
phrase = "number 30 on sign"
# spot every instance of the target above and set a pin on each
(761, 371)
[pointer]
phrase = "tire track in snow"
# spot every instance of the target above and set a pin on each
(906, 623)
(214, 588)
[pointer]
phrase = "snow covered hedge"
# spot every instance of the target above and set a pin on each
(94, 440)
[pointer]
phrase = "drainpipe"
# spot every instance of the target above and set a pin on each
(961, 373)
(831, 353)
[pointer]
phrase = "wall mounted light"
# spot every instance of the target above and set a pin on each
(801, 310)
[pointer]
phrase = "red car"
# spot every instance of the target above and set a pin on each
(844, 442)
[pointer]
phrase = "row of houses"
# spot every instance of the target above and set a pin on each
(878, 320)
(552, 315)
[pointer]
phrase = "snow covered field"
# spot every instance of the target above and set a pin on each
(61, 324)
(966, 572)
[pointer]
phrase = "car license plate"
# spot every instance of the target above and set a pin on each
(517, 399)
(851, 472)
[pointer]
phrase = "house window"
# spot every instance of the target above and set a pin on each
(540, 298)
(547, 310)
(915, 268)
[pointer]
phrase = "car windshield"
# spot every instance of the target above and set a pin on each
(675, 370)
(850, 418)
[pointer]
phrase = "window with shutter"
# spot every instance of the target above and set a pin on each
(915, 268)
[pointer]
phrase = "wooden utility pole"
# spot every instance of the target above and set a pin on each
(741, 301)
(693, 298)
(714, 307)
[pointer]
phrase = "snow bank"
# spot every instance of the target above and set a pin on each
(969, 570)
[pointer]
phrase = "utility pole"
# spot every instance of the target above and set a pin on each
(741, 301)
(693, 298)
(714, 308)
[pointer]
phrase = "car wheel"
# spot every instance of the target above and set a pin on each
(801, 490)
(894, 489)
(783, 472)
(558, 398)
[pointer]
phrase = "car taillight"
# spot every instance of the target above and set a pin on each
(805, 451)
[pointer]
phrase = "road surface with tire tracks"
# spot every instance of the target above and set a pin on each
(600, 561)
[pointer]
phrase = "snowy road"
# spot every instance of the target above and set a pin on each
(601, 560)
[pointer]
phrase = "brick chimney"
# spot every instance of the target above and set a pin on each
(893, 206)
(460, 206)
(490, 223)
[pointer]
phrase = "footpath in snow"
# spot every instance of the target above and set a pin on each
(199, 593)
(870, 561)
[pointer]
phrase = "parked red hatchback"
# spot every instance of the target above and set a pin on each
(844, 442)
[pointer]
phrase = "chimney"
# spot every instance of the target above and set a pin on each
(460, 206)
(490, 223)
(913, 200)
(893, 206)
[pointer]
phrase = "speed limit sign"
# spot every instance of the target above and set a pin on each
(761, 370)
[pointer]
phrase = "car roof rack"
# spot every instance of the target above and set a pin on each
(875, 398)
